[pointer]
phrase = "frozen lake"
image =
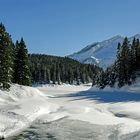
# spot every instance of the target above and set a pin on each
(65, 129)
(74, 113)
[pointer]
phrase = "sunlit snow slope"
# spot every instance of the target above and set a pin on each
(100, 53)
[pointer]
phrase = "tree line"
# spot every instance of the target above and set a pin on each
(125, 69)
(17, 66)
(14, 62)
(54, 69)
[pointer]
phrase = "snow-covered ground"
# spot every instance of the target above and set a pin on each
(20, 106)
(65, 110)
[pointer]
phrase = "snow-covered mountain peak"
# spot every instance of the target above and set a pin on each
(101, 53)
(135, 36)
(113, 38)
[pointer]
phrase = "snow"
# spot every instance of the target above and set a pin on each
(97, 106)
(116, 109)
(101, 53)
(91, 60)
(20, 106)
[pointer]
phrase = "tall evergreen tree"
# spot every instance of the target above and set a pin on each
(113, 75)
(138, 56)
(119, 66)
(70, 76)
(133, 59)
(48, 76)
(123, 63)
(6, 58)
(58, 75)
(53, 75)
(22, 74)
(125, 69)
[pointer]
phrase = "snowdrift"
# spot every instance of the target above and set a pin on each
(20, 106)
(118, 108)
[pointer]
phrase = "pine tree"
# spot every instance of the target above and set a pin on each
(58, 74)
(70, 76)
(123, 63)
(22, 73)
(133, 60)
(102, 81)
(113, 75)
(77, 76)
(88, 79)
(138, 56)
(119, 66)
(44, 74)
(54, 74)
(6, 58)
(60, 69)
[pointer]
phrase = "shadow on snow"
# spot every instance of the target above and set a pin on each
(105, 96)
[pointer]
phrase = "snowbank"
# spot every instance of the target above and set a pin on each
(20, 106)
(110, 106)
(118, 108)
(55, 90)
(135, 88)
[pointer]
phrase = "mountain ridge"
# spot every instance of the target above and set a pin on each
(101, 53)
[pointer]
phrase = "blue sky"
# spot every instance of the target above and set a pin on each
(61, 27)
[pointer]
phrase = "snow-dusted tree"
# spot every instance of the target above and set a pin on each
(133, 57)
(22, 74)
(6, 58)
(137, 55)
(123, 63)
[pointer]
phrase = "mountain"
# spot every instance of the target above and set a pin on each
(100, 53)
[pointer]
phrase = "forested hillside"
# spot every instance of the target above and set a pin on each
(17, 66)
(53, 69)
(126, 68)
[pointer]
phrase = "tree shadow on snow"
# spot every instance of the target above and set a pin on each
(105, 96)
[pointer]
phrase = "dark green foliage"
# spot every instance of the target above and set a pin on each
(137, 55)
(126, 68)
(123, 64)
(21, 68)
(14, 65)
(60, 70)
(6, 58)
(133, 56)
